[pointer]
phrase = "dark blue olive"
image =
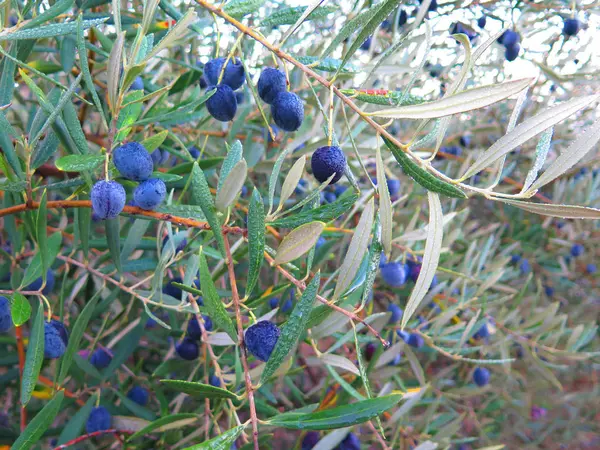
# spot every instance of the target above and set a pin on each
(56, 338)
(233, 77)
(288, 111)
(510, 37)
(396, 312)
(137, 85)
(512, 51)
(133, 161)
(214, 380)
(261, 339)
(271, 83)
(139, 395)
(150, 193)
(98, 420)
(367, 44)
(188, 349)
(108, 199)
(100, 359)
(193, 328)
(327, 161)
(36, 284)
(481, 22)
(222, 105)
(577, 250)
(481, 376)
(415, 340)
(393, 186)
(571, 27)
(402, 17)
(5, 317)
(310, 440)
(394, 274)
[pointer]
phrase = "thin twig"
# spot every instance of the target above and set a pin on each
(244, 353)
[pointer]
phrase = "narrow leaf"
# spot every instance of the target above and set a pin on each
(338, 417)
(113, 240)
(40, 423)
(585, 142)
(213, 303)
(293, 328)
(563, 211)
(421, 176)
(528, 129)
(221, 442)
(232, 186)
(324, 213)
(464, 101)
(158, 424)
(385, 205)
(234, 156)
(356, 250)
(34, 356)
(291, 181)
(298, 242)
(431, 257)
(20, 309)
(198, 390)
(75, 337)
(256, 239)
(79, 163)
(201, 196)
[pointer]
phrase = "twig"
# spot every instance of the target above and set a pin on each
(323, 300)
(133, 210)
(85, 437)
(244, 353)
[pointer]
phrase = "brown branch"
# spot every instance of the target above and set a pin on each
(133, 210)
(323, 300)
(244, 352)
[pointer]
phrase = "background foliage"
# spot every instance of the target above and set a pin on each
(497, 164)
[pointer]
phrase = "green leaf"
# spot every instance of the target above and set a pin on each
(163, 423)
(221, 442)
(134, 237)
(213, 303)
(125, 349)
(34, 269)
(74, 427)
(234, 156)
(256, 239)
(79, 163)
(112, 228)
(52, 30)
(74, 127)
(167, 177)
(13, 186)
(186, 79)
(20, 309)
(389, 98)
(154, 141)
(232, 186)
(324, 213)
(75, 337)
(198, 390)
(275, 175)
(129, 114)
(356, 250)
(289, 16)
(291, 181)
(51, 13)
(34, 357)
(327, 64)
(40, 423)
(431, 257)
(177, 113)
(293, 328)
(240, 8)
(298, 242)
(374, 259)
(372, 22)
(87, 76)
(338, 417)
(350, 27)
(421, 176)
(187, 211)
(175, 33)
(136, 409)
(41, 233)
(45, 149)
(84, 217)
(201, 196)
